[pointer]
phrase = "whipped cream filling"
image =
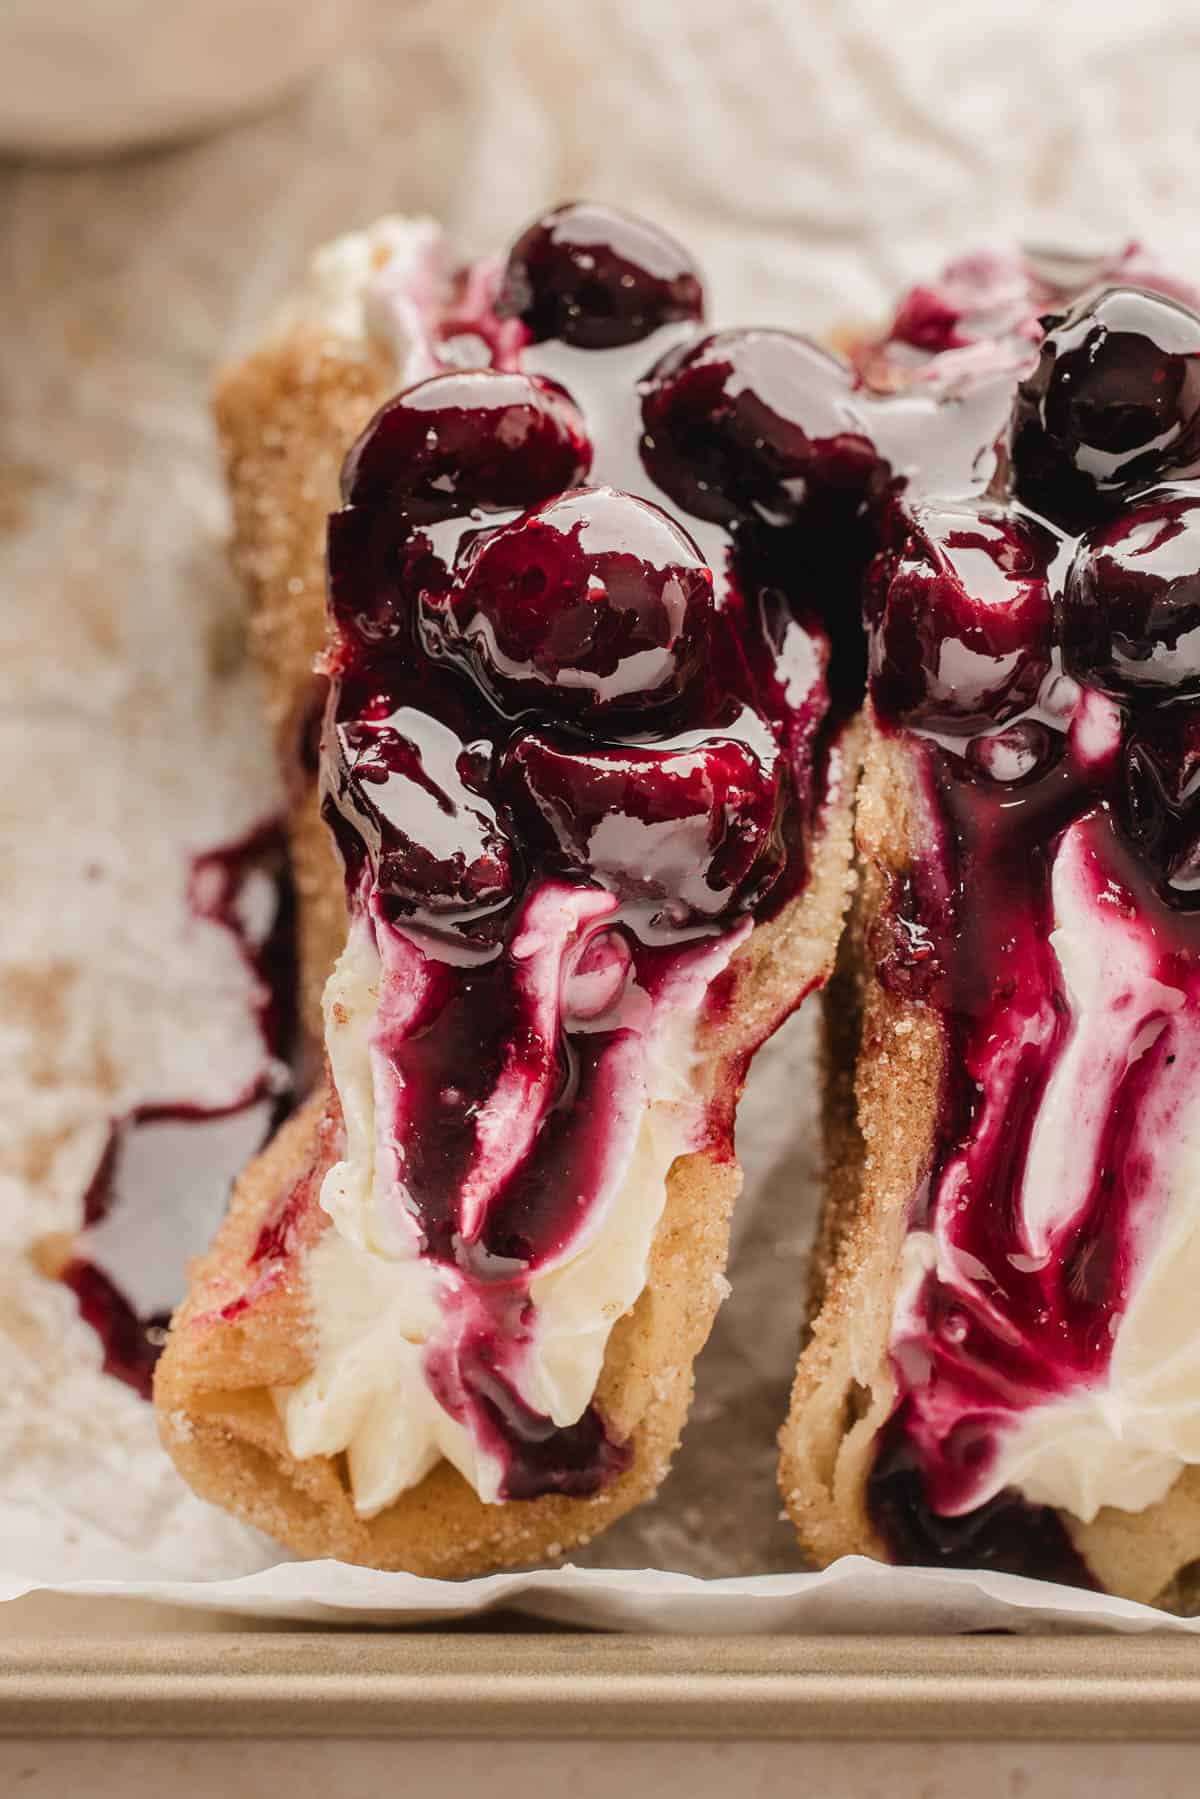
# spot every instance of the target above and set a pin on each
(1119, 1438)
(384, 283)
(384, 1311)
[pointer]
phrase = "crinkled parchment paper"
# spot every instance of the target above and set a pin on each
(815, 161)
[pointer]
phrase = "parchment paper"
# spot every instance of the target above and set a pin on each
(814, 161)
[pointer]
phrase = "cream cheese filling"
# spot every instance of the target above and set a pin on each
(378, 1304)
(386, 282)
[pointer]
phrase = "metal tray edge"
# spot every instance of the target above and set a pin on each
(438, 1685)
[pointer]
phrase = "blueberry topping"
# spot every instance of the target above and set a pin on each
(456, 445)
(1113, 403)
(568, 748)
(377, 571)
(739, 426)
(1131, 610)
(596, 278)
(1161, 809)
(474, 438)
(960, 617)
(1014, 754)
(408, 785)
(592, 606)
(690, 829)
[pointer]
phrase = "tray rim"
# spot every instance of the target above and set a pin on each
(437, 1684)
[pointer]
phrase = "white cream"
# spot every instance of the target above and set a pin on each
(386, 282)
(1123, 1441)
(378, 1305)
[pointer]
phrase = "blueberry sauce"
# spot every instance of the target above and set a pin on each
(1040, 644)
(161, 1185)
(597, 614)
(1005, 1534)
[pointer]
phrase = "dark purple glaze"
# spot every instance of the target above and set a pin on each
(1158, 804)
(200, 1149)
(132, 1343)
(1039, 1326)
(574, 1460)
(1005, 1534)
(221, 889)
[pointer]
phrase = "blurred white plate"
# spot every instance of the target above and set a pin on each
(87, 77)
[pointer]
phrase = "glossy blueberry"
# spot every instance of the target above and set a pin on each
(476, 437)
(593, 606)
(1013, 754)
(959, 616)
(740, 425)
(446, 448)
(1131, 610)
(596, 278)
(1113, 403)
(693, 827)
(406, 784)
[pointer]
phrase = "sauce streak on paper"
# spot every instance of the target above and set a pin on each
(161, 1186)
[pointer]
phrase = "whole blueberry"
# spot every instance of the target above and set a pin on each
(593, 606)
(474, 440)
(402, 789)
(596, 278)
(692, 829)
(473, 437)
(959, 616)
(1113, 403)
(1131, 609)
(740, 425)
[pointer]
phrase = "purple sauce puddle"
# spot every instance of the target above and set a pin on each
(172, 1164)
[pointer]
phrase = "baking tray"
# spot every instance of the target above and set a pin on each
(101, 257)
(509, 1681)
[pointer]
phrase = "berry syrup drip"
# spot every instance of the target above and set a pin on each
(1042, 642)
(598, 625)
(1004, 1534)
(162, 1183)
